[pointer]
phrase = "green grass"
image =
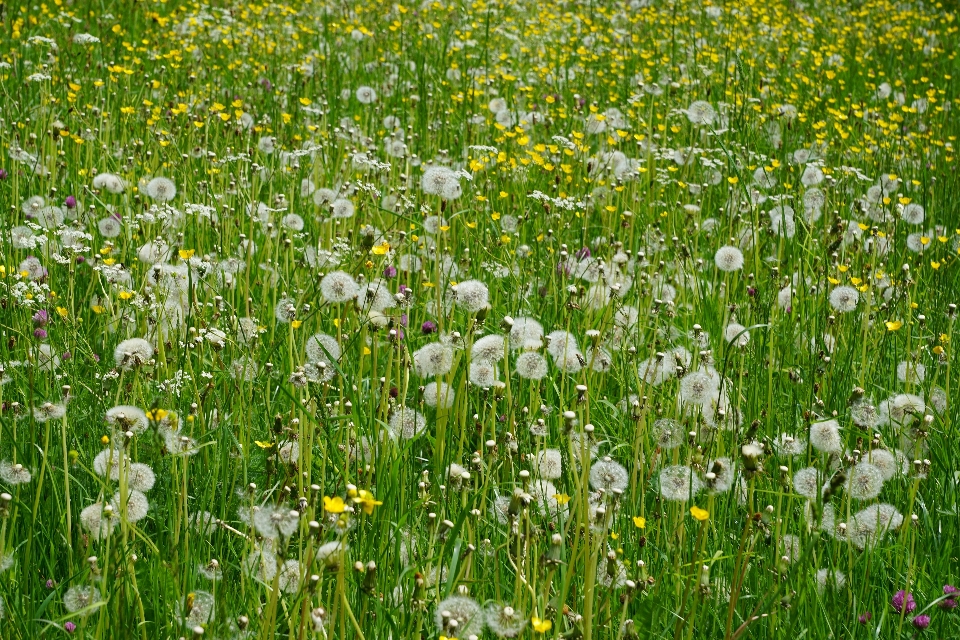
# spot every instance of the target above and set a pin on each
(594, 203)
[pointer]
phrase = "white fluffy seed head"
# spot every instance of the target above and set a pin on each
(728, 259)
(338, 286)
(825, 436)
(531, 366)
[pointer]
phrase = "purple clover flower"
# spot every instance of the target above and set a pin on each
(921, 622)
(952, 594)
(903, 601)
(41, 318)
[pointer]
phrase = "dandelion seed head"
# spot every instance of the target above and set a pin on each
(125, 417)
(549, 464)
(844, 299)
(78, 598)
(807, 482)
(321, 347)
(701, 113)
(338, 286)
(609, 475)
(97, 523)
(728, 259)
(161, 189)
(439, 395)
(504, 621)
(911, 372)
(463, 609)
(406, 423)
(531, 366)
(864, 481)
(668, 433)
(140, 477)
(825, 436)
(471, 295)
(482, 374)
(489, 348)
(433, 359)
(679, 483)
(132, 353)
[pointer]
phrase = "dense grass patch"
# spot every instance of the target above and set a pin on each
(381, 320)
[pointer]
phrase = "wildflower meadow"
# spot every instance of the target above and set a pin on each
(465, 319)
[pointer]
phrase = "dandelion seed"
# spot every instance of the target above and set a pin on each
(526, 333)
(338, 286)
(109, 182)
(126, 417)
(864, 414)
(97, 521)
(549, 464)
(679, 483)
(439, 395)
(261, 565)
(531, 366)
(341, 208)
(545, 497)
(720, 475)
(844, 299)
(321, 347)
(504, 621)
(366, 95)
(433, 359)
(132, 353)
(608, 475)
(728, 259)
(489, 348)
(865, 481)
(289, 576)
(108, 460)
(807, 482)
(161, 189)
(140, 477)
(137, 505)
(482, 374)
(375, 296)
(790, 547)
(289, 453)
(911, 372)
(698, 387)
(14, 473)
(465, 611)
(913, 214)
(825, 436)
(406, 423)
(905, 408)
(471, 295)
(832, 579)
(701, 113)
(78, 599)
(667, 433)
(736, 334)
(788, 445)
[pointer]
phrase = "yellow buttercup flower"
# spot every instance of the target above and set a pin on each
(366, 501)
(539, 625)
(699, 514)
(334, 505)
